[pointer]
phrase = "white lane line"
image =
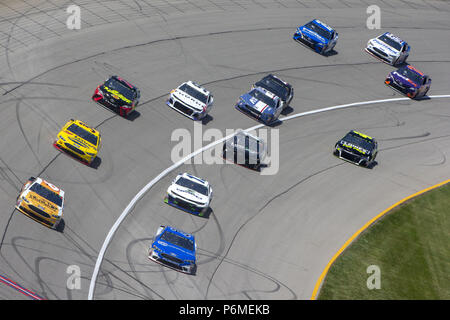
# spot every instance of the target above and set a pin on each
(136, 198)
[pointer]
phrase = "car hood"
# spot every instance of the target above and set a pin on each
(174, 250)
(189, 193)
(354, 148)
(384, 47)
(40, 202)
(313, 35)
(189, 100)
(78, 142)
(256, 104)
(404, 81)
(114, 94)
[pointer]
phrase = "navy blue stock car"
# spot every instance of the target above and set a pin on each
(357, 148)
(260, 104)
(317, 35)
(409, 81)
(278, 87)
(175, 249)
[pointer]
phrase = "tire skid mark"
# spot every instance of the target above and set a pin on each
(258, 212)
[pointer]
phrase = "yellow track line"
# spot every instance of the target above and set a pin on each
(357, 233)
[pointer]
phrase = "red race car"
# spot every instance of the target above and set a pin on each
(118, 95)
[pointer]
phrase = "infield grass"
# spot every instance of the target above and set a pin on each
(411, 247)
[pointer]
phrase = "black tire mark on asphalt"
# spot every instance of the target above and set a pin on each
(277, 283)
(7, 178)
(258, 212)
(413, 143)
(19, 122)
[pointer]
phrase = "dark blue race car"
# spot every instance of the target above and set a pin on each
(174, 249)
(409, 81)
(261, 104)
(317, 35)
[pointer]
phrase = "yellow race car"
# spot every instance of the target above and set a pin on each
(41, 201)
(79, 141)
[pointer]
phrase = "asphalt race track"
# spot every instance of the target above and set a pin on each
(268, 236)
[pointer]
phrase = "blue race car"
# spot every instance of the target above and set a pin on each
(174, 249)
(261, 104)
(409, 81)
(317, 35)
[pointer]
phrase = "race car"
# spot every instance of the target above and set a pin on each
(389, 49)
(79, 141)
(245, 149)
(260, 104)
(41, 201)
(175, 249)
(409, 81)
(278, 87)
(191, 99)
(317, 35)
(357, 148)
(189, 193)
(117, 94)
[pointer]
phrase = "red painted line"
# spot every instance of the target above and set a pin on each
(19, 288)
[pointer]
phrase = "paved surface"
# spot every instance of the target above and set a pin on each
(268, 237)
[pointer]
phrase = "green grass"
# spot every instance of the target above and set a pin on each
(410, 245)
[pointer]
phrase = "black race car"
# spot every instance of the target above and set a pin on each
(245, 149)
(357, 148)
(118, 94)
(278, 87)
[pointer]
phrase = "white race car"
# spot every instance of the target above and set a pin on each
(191, 99)
(189, 193)
(389, 49)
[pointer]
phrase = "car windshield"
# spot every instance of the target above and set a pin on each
(47, 194)
(192, 185)
(178, 240)
(320, 31)
(194, 93)
(124, 90)
(359, 141)
(275, 87)
(390, 42)
(408, 73)
(84, 134)
(263, 97)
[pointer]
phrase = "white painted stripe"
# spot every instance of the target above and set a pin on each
(192, 155)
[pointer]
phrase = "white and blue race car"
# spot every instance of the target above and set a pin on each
(261, 104)
(389, 49)
(317, 35)
(175, 249)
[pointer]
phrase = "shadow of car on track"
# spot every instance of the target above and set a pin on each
(133, 115)
(330, 53)
(96, 163)
(287, 110)
(274, 124)
(61, 226)
(372, 165)
(208, 118)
